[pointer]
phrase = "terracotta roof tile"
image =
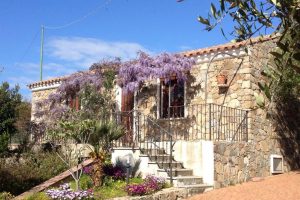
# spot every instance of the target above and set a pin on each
(46, 82)
(228, 46)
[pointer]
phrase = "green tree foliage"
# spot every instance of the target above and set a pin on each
(23, 124)
(9, 101)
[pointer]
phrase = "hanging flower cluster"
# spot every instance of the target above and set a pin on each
(70, 87)
(133, 73)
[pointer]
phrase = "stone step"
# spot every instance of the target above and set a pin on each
(166, 165)
(176, 172)
(161, 158)
(187, 180)
(153, 152)
(197, 189)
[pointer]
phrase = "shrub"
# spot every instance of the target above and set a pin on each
(65, 192)
(20, 174)
(4, 140)
(6, 196)
(149, 186)
(85, 182)
(116, 172)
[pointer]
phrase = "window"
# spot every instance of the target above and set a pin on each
(171, 98)
(74, 103)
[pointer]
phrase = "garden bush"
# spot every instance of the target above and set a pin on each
(116, 172)
(6, 196)
(20, 174)
(149, 186)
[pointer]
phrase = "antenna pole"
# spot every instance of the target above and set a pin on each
(42, 53)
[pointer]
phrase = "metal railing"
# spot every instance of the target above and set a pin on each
(207, 122)
(156, 137)
(143, 132)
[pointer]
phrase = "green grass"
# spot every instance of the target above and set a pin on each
(39, 196)
(113, 189)
(110, 188)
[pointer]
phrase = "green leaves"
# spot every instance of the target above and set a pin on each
(213, 10)
(260, 101)
(276, 54)
(203, 21)
(265, 88)
(296, 56)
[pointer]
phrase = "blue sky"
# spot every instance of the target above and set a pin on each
(112, 28)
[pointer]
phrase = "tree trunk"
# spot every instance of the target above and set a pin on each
(97, 173)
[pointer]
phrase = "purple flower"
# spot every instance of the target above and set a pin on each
(64, 192)
(150, 185)
(88, 170)
(133, 73)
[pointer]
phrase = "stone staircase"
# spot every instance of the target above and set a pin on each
(182, 177)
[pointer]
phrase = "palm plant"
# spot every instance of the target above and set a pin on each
(101, 139)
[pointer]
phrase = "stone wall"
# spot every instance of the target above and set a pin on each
(236, 162)
(38, 96)
(274, 131)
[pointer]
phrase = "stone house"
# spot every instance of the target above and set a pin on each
(204, 132)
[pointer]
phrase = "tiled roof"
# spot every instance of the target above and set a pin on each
(228, 46)
(48, 82)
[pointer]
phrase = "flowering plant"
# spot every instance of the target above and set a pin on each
(116, 172)
(149, 186)
(65, 192)
(133, 73)
(88, 170)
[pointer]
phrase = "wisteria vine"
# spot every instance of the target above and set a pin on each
(135, 72)
(131, 75)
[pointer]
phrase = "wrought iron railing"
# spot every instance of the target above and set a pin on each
(143, 132)
(156, 137)
(207, 122)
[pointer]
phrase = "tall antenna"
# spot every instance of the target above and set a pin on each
(42, 53)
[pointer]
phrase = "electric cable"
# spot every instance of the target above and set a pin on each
(81, 18)
(29, 46)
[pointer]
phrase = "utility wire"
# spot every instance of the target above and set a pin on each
(29, 46)
(81, 18)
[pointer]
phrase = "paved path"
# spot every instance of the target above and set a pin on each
(279, 187)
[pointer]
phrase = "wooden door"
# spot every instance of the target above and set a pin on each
(127, 105)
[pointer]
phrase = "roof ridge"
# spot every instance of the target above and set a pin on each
(228, 46)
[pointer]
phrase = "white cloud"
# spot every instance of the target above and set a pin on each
(185, 47)
(86, 51)
(55, 69)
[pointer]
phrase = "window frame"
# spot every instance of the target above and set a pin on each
(159, 103)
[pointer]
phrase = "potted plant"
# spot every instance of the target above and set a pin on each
(221, 76)
(221, 79)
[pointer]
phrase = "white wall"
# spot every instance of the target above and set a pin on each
(197, 155)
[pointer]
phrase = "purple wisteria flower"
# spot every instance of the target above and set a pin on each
(65, 192)
(133, 73)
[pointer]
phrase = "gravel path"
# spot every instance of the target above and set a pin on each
(281, 187)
